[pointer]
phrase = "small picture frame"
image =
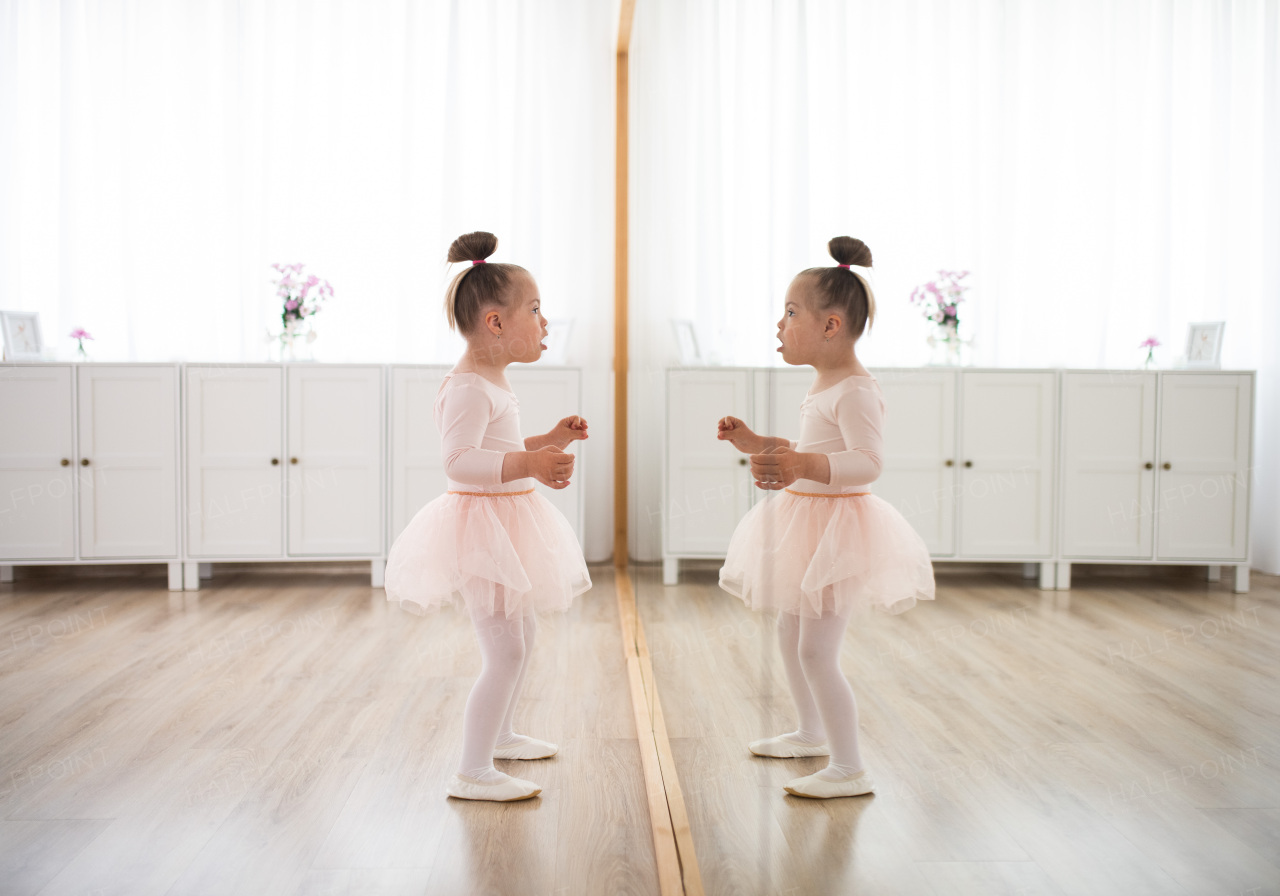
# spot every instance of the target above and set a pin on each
(1204, 345)
(557, 341)
(687, 343)
(22, 340)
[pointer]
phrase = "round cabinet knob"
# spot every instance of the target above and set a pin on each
(293, 460)
(950, 462)
(1148, 465)
(65, 462)
(742, 461)
(275, 461)
(84, 461)
(968, 463)
(1166, 466)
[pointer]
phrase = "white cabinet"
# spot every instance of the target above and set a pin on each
(1206, 429)
(1108, 464)
(270, 462)
(417, 466)
(1030, 466)
(128, 486)
(247, 499)
(115, 427)
(37, 450)
(234, 472)
(919, 473)
(1008, 427)
(334, 488)
(1156, 468)
(708, 487)
(546, 395)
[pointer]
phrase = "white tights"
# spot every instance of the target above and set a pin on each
(505, 646)
(824, 700)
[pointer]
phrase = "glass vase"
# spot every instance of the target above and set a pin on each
(947, 346)
(295, 342)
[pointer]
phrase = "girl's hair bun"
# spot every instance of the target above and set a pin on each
(475, 246)
(847, 250)
(477, 286)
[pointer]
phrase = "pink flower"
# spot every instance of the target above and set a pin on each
(1151, 342)
(291, 304)
(80, 333)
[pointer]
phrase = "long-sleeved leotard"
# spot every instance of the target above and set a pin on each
(479, 424)
(844, 422)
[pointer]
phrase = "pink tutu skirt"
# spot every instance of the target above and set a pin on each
(817, 555)
(513, 555)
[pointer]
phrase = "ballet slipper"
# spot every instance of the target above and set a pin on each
(782, 747)
(526, 748)
(464, 787)
(817, 788)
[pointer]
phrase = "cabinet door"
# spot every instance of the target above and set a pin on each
(36, 455)
(417, 467)
(1007, 431)
(334, 487)
(787, 391)
(779, 414)
(235, 471)
(1203, 482)
(1108, 460)
(129, 461)
(919, 473)
(708, 482)
(547, 397)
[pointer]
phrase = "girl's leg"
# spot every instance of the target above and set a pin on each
(819, 656)
(506, 734)
(503, 649)
(810, 730)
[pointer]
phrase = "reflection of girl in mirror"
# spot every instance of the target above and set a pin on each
(492, 539)
(825, 547)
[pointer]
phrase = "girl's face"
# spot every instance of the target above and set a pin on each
(802, 330)
(524, 327)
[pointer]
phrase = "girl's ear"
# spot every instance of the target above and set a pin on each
(834, 326)
(493, 322)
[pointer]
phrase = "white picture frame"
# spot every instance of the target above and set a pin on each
(1204, 345)
(687, 343)
(22, 340)
(557, 341)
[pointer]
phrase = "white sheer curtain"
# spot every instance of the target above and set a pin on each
(156, 157)
(1106, 170)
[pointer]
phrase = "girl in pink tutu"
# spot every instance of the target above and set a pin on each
(491, 539)
(824, 548)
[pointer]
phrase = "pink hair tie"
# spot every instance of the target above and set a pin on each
(842, 266)
(477, 261)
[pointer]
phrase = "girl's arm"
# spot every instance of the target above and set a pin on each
(464, 416)
(738, 434)
(860, 416)
(570, 429)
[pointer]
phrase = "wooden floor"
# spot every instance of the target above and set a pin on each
(289, 732)
(1120, 738)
